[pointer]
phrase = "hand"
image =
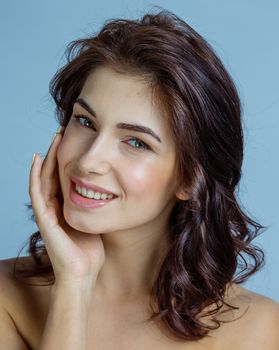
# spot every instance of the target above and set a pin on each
(75, 256)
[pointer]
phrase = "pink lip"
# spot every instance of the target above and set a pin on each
(85, 203)
(91, 187)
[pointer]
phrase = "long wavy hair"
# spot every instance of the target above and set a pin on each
(210, 233)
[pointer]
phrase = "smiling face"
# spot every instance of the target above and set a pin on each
(100, 149)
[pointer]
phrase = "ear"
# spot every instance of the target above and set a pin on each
(182, 194)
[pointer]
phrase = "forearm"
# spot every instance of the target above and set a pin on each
(67, 322)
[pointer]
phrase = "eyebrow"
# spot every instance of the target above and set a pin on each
(126, 126)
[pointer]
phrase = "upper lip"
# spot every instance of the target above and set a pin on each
(92, 187)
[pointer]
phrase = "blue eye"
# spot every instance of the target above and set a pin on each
(139, 144)
(87, 123)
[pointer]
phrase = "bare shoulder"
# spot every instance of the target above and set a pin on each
(256, 322)
(22, 296)
(257, 304)
(7, 278)
(12, 292)
(10, 334)
(23, 305)
(7, 281)
(4, 282)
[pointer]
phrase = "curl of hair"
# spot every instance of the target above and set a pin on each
(210, 234)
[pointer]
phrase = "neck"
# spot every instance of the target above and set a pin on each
(132, 262)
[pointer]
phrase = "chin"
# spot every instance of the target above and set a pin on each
(71, 220)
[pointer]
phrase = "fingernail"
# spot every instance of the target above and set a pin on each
(34, 155)
(59, 130)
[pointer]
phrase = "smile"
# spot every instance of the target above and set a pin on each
(81, 197)
(92, 194)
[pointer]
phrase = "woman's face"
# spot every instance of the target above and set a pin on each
(134, 165)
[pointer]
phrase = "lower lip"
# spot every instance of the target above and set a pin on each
(83, 202)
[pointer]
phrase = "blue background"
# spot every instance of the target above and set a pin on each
(34, 35)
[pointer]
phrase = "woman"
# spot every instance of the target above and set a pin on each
(141, 242)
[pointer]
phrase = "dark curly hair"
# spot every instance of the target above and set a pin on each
(210, 233)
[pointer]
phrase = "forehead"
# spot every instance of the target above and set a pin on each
(127, 98)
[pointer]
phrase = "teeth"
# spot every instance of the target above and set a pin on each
(97, 195)
(104, 196)
(83, 192)
(91, 194)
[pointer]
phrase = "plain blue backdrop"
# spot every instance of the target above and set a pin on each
(34, 35)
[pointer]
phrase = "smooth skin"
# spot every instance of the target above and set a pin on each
(104, 259)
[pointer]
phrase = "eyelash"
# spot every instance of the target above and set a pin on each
(78, 117)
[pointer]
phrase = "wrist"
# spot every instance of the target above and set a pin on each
(84, 287)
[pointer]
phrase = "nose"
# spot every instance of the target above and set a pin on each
(96, 157)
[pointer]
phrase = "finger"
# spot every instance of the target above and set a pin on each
(49, 174)
(42, 176)
(38, 204)
(53, 146)
(60, 131)
(55, 239)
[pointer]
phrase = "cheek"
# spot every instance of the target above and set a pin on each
(63, 149)
(154, 179)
